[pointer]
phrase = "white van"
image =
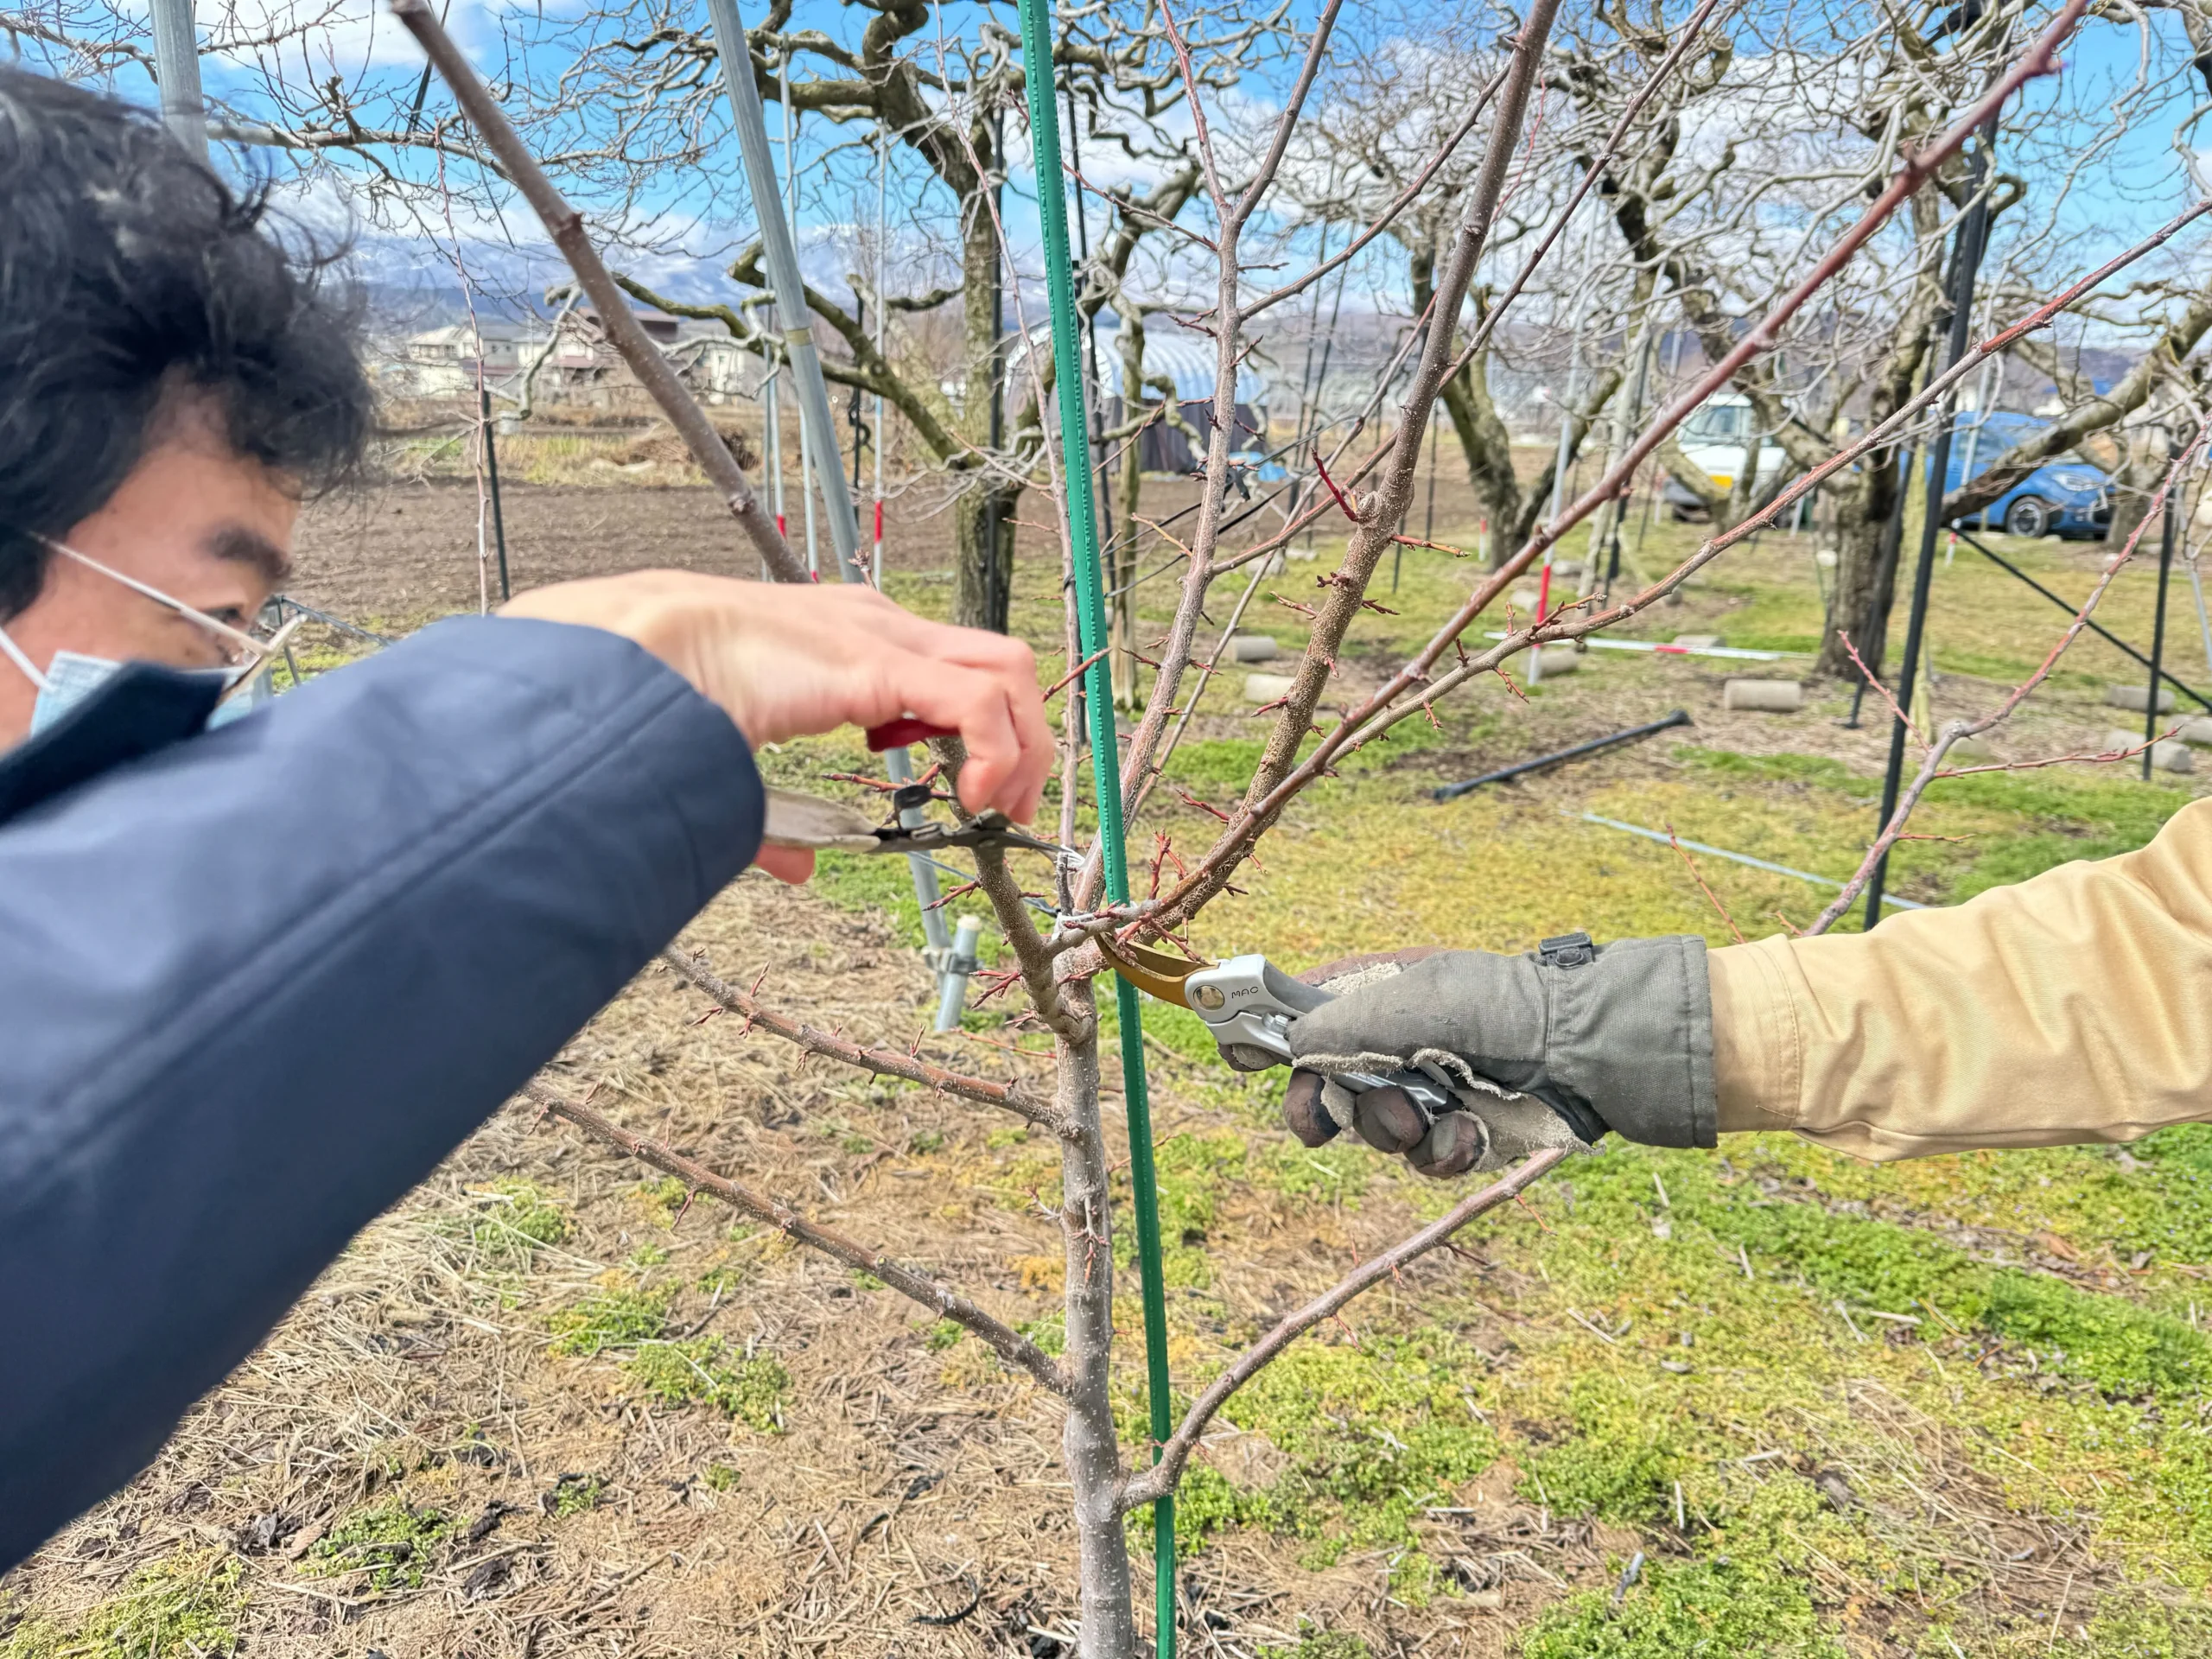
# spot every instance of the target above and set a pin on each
(1715, 438)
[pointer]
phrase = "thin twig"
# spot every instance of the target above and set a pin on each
(1160, 1479)
(884, 1062)
(1009, 1345)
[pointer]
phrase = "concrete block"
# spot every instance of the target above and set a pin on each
(2168, 754)
(1253, 648)
(1697, 641)
(1971, 752)
(2137, 696)
(1767, 696)
(1558, 660)
(1523, 601)
(2195, 731)
(1266, 688)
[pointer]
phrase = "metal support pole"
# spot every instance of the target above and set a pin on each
(2158, 628)
(811, 448)
(998, 583)
(817, 427)
(176, 63)
(492, 470)
(1966, 260)
(882, 326)
(1105, 760)
(1535, 671)
(952, 993)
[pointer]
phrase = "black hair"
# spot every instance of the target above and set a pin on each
(129, 273)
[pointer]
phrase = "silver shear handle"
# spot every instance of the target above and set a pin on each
(1248, 1003)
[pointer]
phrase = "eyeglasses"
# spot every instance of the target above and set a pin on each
(243, 654)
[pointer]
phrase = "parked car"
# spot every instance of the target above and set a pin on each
(2070, 497)
(1717, 437)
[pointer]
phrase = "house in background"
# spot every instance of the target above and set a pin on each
(572, 360)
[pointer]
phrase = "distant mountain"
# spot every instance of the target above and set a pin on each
(410, 283)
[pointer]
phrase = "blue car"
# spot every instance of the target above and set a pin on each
(2070, 497)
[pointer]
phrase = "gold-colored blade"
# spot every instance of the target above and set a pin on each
(1150, 971)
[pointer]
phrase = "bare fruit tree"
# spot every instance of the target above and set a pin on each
(1816, 107)
(1239, 225)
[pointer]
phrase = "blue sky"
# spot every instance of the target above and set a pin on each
(2134, 183)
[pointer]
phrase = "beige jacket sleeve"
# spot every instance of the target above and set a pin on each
(2074, 1007)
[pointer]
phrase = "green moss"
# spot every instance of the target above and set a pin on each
(575, 1495)
(185, 1604)
(508, 1221)
(615, 1317)
(1621, 1462)
(721, 1478)
(1193, 1169)
(2120, 1347)
(706, 1371)
(1371, 1434)
(1049, 1333)
(942, 1335)
(393, 1544)
(1674, 1610)
(1322, 1644)
(2136, 1626)
(662, 1201)
(1220, 766)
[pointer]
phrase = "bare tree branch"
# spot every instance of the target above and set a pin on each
(1160, 1479)
(1003, 1340)
(884, 1062)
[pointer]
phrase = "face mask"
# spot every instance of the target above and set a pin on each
(71, 676)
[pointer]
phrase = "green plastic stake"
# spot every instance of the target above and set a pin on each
(1105, 756)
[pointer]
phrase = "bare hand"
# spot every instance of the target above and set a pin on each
(787, 661)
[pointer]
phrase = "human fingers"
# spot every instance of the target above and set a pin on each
(1304, 1114)
(1388, 1120)
(1454, 1144)
(792, 864)
(1013, 665)
(976, 705)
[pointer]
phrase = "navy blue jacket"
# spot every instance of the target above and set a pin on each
(256, 983)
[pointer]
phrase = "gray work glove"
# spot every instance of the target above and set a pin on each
(1549, 1049)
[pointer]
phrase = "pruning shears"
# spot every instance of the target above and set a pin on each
(810, 821)
(1248, 1003)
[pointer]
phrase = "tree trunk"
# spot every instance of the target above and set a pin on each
(982, 587)
(1089, 1441)
(983, 561)
(1485, 444)
(1865, 568)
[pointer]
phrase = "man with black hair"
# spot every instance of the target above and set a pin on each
(255, 981)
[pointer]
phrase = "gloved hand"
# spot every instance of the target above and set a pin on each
(1548, 1049)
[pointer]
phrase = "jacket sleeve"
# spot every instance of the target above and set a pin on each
(2070, 1008)
(255, 986)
